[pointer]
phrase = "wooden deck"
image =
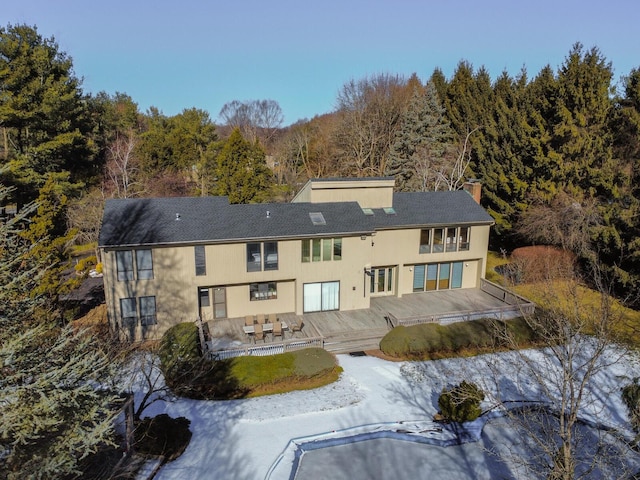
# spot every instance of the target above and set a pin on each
(363, 329)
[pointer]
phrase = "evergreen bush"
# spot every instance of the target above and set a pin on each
(179, 353)
(163, 435)
(461, 403)
(631, 398)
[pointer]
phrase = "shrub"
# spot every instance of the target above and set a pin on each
(631, 398)
(163, 435)
(179, 353)
(461, 403)
(430, 340)
(85, 264)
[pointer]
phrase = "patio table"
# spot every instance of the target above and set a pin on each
(266, 328)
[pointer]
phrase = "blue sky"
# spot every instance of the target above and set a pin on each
(190, 53)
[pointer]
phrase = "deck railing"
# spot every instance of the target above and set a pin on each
(266, 349)
(516, 306)
(507, 296)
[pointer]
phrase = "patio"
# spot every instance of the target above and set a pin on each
(345, 331)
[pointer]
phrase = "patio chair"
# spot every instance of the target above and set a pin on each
(273, 318)
(296, 326)
(259, 333)
(277, 330)
(261, 319)
(248, 320)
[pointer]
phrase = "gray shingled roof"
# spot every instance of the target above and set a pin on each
(152, 221)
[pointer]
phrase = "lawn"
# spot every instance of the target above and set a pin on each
(297, 370)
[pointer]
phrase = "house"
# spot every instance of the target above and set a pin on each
(336, 245)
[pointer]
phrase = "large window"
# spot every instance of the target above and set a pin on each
(148, 311)
(321, 297)
(262, 256)
(321, 250)
(450, 239)
(437, 276)
(263, 291)
(201, 260)
(143, 264)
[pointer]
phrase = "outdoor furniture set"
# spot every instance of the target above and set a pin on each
(257, 327)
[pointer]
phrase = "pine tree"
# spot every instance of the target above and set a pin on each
(423, 141)
(43, 113)
(242, 171)
(55, 406)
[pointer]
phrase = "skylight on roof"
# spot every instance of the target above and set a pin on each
(389, 210)
(317, 218)
(367, 211)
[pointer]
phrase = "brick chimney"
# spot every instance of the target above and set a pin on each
(474, 188)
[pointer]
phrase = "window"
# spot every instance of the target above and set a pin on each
(317, 218)
(432, 276)
(438, 239)
(463, 238)
(425, 241)
(148, 311)
(306, 251)
(321, 250)
(144, 264)
(201, 260)
(254, 262)
(327, 249)
(128, 312)
(315, 248)
(451, 240)
(443, 276)
(271, 255)
(263, 291)
(456, 275)
(437, 276)
(256, 252)
(418, 278)
(124, 265)
(337, 249)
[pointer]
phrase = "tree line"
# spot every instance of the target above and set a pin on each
(565, 141)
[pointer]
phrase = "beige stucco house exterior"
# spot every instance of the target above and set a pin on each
(339, 243)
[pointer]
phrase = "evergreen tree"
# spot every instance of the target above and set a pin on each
(54, 404)
(422, 142)
(242, 172)
(43, 114)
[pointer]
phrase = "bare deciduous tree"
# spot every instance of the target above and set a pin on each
(256, 119)
(122, 166)
(369, 112)
(451, 169)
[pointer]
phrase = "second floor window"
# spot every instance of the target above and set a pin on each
(321, 249)
(143, 265)
(262, 256)
(201, 260)
(449, 239)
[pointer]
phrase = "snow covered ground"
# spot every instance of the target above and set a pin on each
(258, 438)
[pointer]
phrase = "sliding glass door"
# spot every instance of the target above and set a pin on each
(321, 297)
